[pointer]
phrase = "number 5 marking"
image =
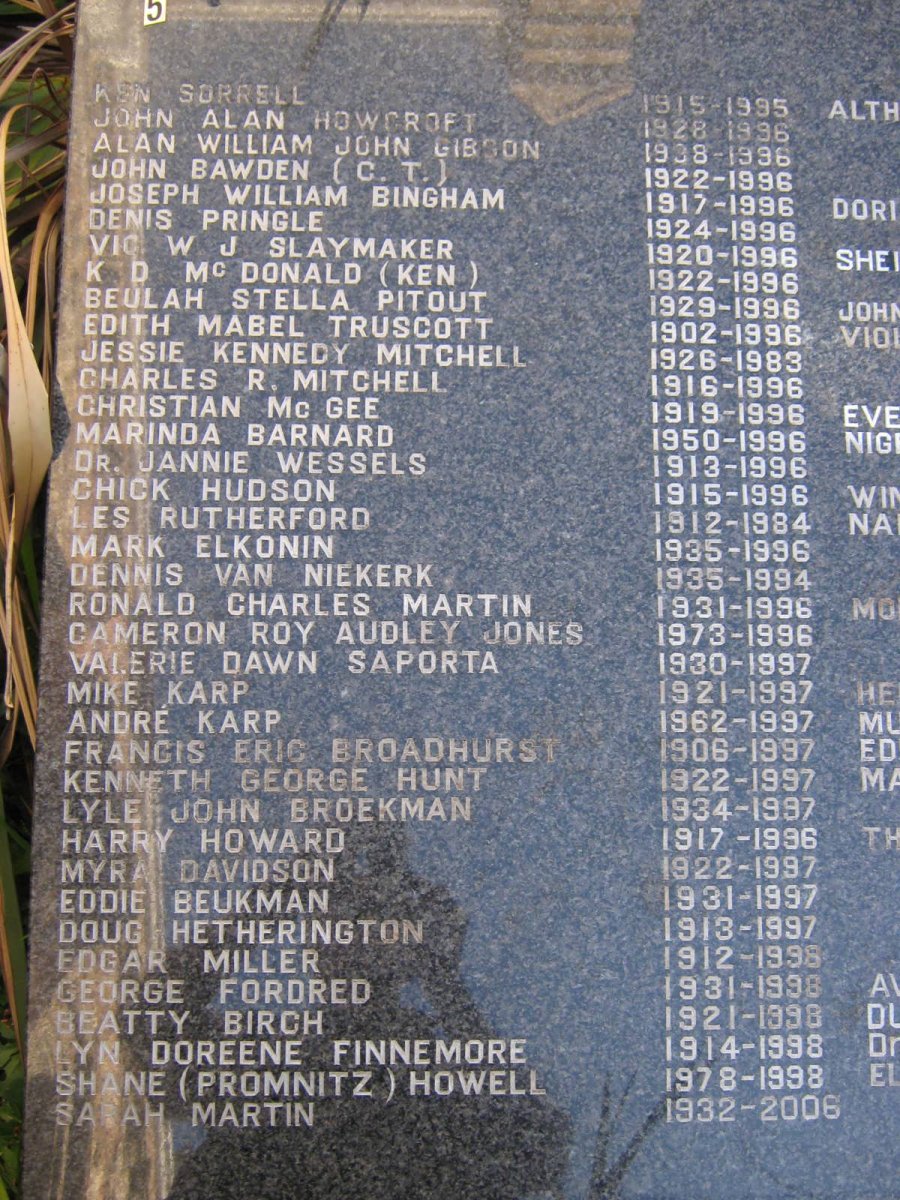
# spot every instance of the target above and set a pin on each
(154, 12)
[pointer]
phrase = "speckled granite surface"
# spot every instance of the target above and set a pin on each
(469, 720)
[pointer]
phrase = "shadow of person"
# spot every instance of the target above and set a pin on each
(448, 1126)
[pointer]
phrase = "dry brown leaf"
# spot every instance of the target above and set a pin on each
(5, 476)
(6, 545)
(21, 686)
(12, 670)
(28, 406)
(16, 57)
(12, 76)
(50, 258)
(26, 211)
(7, 737)
(22, 670)
(39, 247)
(31, 5)
(27, 145)
(7, 968)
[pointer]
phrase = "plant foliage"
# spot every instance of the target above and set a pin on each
(36, 40)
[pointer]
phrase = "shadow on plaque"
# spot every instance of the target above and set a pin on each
(444, 1147)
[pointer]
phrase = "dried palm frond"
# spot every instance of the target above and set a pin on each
(35, 69)
(35, 61)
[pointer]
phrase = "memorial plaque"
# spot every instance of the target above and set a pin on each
(470, 735)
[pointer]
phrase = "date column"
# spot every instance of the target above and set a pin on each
(699, 600)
